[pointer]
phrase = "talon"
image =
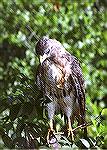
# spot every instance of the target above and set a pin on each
(70, 132)
(51, 139)
(50, 132)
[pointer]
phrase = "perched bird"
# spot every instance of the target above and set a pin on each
(60, 79)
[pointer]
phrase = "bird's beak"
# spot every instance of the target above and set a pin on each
(42, 58)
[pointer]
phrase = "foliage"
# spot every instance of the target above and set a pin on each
(82, 29)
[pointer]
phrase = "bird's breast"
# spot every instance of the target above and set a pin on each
(56, 76)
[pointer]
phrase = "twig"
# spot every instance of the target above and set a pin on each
(82, 126)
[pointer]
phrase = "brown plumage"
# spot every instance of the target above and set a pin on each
(60, 78)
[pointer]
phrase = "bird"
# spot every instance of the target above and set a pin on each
(60, 78)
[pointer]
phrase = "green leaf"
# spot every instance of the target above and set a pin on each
(19, 128)
(7, 141)
(14, 110)
(3, 105)
(8, 126)
(2, 130)
(27, 108)
(20, 142)
(82, 143)
(34, 133)
(85, 143)
(104, 112)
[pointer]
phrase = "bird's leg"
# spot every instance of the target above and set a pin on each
(70, 131)
(51, 111)
(51, 124)
(50, 131)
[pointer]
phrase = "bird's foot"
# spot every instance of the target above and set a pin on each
(71, 134)
(51, 139)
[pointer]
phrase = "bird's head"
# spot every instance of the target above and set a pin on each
(43, 48)
(47, 47)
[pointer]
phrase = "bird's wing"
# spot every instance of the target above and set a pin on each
(78, 83)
